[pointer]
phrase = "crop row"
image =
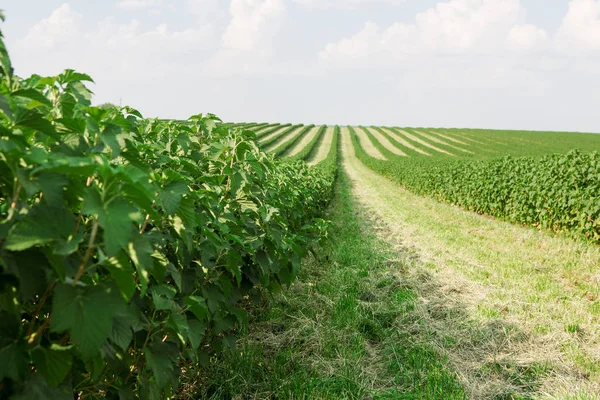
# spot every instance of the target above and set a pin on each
(312, 146)
(556, 191)
(284, 148)
(131, 247)
(272, 129)
(272, 140)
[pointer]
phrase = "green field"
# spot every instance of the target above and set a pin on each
(151, 258)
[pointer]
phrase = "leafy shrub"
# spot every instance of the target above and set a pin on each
(558, 192)
(128, 246)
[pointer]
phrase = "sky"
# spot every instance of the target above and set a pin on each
(497, 64)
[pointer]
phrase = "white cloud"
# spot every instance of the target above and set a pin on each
(345, 4)
(459, 63)
(60, 27)
(527, 37)
(456, 27)
(136, 5)
(251, 22)
(581, 26)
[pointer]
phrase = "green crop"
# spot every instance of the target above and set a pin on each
(311, 147)
(285, 148)
(558, 192)
(131, 247)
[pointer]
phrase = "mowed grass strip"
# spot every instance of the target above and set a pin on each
(478, 149)
(323, 147)
(402, 141)
(311, 148)
(516, 310)
(456, 135)
(346, 329)
(304, 141)
(447, 137)
(365, 142)
(423, 143)
(385, 142)
(274, 138)
(267, 133)
(434, 139)
(283, 148)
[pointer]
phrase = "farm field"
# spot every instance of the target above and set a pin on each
(511, 306)
(155, 258)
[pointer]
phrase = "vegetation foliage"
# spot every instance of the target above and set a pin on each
(553, 191)
(130, 247)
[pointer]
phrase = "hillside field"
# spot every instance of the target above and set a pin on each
(153, 259)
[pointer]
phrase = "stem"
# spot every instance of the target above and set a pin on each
(88, 253)
(40, 330)
(143, 228)
(231, 164)
(16, 196)
(38, 309)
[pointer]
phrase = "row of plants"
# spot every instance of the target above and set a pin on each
(131, 247)
(272, 129)
(273, 139)
(558, 192)
(285, 148)
(311, 147)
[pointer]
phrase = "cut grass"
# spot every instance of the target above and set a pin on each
(365, 142)
(384, 141)
(434, 139)
(321, 148)
(496, 293)
(402, 141)
(422, 142)
(346, 329)
(305, 141)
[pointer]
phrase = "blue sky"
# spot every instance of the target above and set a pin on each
(514, 64)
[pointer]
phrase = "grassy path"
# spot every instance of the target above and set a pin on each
(308, 137)
(346, 329)
(385, 142)
(420, 141)
(515, 310)
(324, 147)
(365, 142)
(394, 135)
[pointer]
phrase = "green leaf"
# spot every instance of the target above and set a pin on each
(5, 63)
(36, 388)
(161, 359)
(140, 251)
(126, 393)
(52, 186)
(178, 323)
(162, 296)
(224, 324)
(197, 305)
(92, 202)
(121, 270)
(196, 332)
(87, 313)
(121, 334)
(116, 219)
(14, 362)
(43, 225)
(34, 120)
(53, 363)
(171, 196)
(70, 75)
(111, 138)
(33, 94)
(5, 106)
(234, 264)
